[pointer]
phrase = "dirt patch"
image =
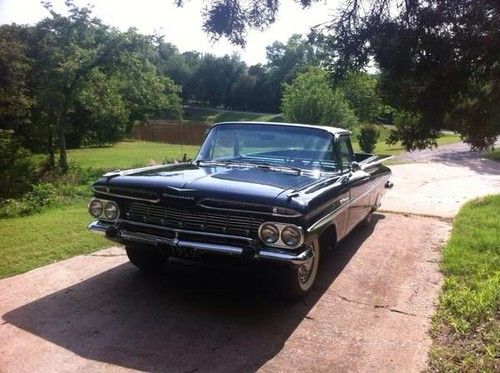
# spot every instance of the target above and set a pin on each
(370, 311)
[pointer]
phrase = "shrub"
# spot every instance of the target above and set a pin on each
(41, 195)
(17, 169)
(53, 188)
(368, 137)
(34, 201)
(311, 99)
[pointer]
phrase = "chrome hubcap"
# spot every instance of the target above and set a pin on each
(305, 270)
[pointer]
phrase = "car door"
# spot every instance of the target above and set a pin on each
(359, 183)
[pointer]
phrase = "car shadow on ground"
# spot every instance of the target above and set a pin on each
(185, 319)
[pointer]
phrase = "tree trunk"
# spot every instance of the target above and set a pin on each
(50, 146)
(61, 126)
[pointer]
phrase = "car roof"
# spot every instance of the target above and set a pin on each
(332, 130)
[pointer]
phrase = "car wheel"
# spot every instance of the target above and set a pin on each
(299, 280)
(148, 259)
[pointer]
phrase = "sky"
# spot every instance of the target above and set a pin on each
(181, 26)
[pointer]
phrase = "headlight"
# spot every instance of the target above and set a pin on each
(291, 235)
(96, 208)
(111, 210)
(269, 233)
(286, 236)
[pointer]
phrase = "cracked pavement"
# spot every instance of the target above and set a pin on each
(369, 311)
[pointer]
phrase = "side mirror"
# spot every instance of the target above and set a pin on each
(355, 167)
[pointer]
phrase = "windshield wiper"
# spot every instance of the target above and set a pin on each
(228, 163)
(274, 167)
(261, 165)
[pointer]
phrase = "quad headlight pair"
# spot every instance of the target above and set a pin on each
(281, 235)
(103, 209)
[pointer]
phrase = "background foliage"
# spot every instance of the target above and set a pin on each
(311, 99)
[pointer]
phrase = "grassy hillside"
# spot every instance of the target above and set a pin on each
(215, 115)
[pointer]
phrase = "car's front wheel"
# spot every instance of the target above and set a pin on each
(299, 279)
(148, 259)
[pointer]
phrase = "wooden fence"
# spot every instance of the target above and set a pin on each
(171, 132)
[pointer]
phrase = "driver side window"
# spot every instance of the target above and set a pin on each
(346, 153)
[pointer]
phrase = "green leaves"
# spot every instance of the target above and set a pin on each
(82, 81)
(439, 62)
(311, 99)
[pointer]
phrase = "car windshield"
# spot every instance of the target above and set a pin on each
(273, 145)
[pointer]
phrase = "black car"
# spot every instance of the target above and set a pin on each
(256, 192)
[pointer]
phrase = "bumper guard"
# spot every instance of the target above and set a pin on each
(266, 253)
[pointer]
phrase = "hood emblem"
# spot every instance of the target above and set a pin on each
(168, 195)
(179, 196)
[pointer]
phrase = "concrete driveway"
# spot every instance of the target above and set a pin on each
(438, 182)
(370, 310)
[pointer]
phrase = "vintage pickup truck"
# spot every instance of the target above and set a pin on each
(268, 192)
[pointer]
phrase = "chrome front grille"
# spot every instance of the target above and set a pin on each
(197, 220)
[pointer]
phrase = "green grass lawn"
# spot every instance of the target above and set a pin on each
(54, 234)
(383, 148)
(216, 115)
(466, 327)
(127, 154)
(494, 155)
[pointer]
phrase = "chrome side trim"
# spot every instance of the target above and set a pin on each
(131, 171)
(333, 179)
(108, 193)
(374, 163)
(217, 235)
(368, 191)
(328, 217)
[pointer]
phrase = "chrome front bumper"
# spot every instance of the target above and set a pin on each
(265, 253)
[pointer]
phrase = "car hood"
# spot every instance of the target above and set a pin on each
(184, 182)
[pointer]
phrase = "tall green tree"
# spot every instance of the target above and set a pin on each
(439, 62)
(74, 75)
(360, 90)
(285, 61)
(15, 100)
(311, 99)
(439, 59)
(66, 50)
